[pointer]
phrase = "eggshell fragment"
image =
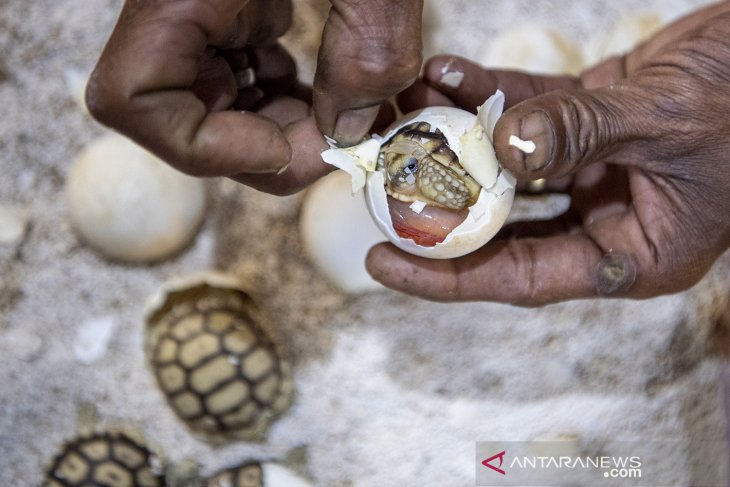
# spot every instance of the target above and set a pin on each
(130, 205)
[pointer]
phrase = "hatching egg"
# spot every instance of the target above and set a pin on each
(213, 354)
(433, 184)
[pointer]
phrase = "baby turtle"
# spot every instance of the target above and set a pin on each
(210, 349)
(247, 475)
(106, 459)
(420, 166)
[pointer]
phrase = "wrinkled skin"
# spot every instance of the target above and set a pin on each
(640, 143)
(173, 77)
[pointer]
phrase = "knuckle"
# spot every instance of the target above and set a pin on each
(99, 100)
(593, 123)
(387, 67)
(584, 121)
(523, 286)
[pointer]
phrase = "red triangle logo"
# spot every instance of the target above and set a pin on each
(497, 469)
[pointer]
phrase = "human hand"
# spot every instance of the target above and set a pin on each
(640, 143)
(171, 71)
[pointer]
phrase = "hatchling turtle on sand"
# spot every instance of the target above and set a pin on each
(247, 475)
(211, 351)
(105, 459)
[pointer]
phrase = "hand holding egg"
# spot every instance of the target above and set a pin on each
(644, 153)
(432, 183)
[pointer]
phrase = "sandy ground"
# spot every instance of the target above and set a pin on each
(392, 391)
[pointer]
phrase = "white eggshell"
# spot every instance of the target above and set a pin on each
(130, 205)
(533, 48)
(490, 211)
(338, 232)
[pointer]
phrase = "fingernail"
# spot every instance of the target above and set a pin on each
(615, 274)
(538, 128)
(352, 125)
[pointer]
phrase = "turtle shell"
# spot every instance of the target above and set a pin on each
(106, 459)
(211, 352)
(247, 475)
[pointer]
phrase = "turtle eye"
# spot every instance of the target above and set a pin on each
(411, 165)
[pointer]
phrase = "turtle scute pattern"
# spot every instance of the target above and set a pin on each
(218, 366)
(108, 459)
(420, 165)
(247, 475)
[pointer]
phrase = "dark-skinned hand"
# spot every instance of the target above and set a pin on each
(642, 145)
(177, 75)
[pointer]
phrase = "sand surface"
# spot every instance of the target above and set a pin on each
(392, 390)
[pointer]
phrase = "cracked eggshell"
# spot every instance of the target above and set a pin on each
(469, 136)
(131, 206)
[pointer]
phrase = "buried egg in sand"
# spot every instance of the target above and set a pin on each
(433, 184)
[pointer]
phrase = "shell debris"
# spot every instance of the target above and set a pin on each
(526, 146)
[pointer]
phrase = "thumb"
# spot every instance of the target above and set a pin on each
(371, 50)
(570, 129)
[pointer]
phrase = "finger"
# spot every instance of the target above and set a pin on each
(469, 84)
(248, 98)
(142, 87)
(614, 258)
(565, 224)
(526, 272)
(600, 191)
(370, 51)
(284, 110)
(215, 85)
(571, 129)
(261, 23)
(276, 72)
(306, 162)
(386, 116)
(420, 95)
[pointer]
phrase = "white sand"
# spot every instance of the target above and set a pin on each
(392, 391)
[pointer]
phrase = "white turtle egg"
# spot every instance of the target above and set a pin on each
(129, 205)
(337, 233)
(469, 136)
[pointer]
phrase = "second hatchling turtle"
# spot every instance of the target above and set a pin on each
(247, 475)
(213, 355)
(105, 459)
